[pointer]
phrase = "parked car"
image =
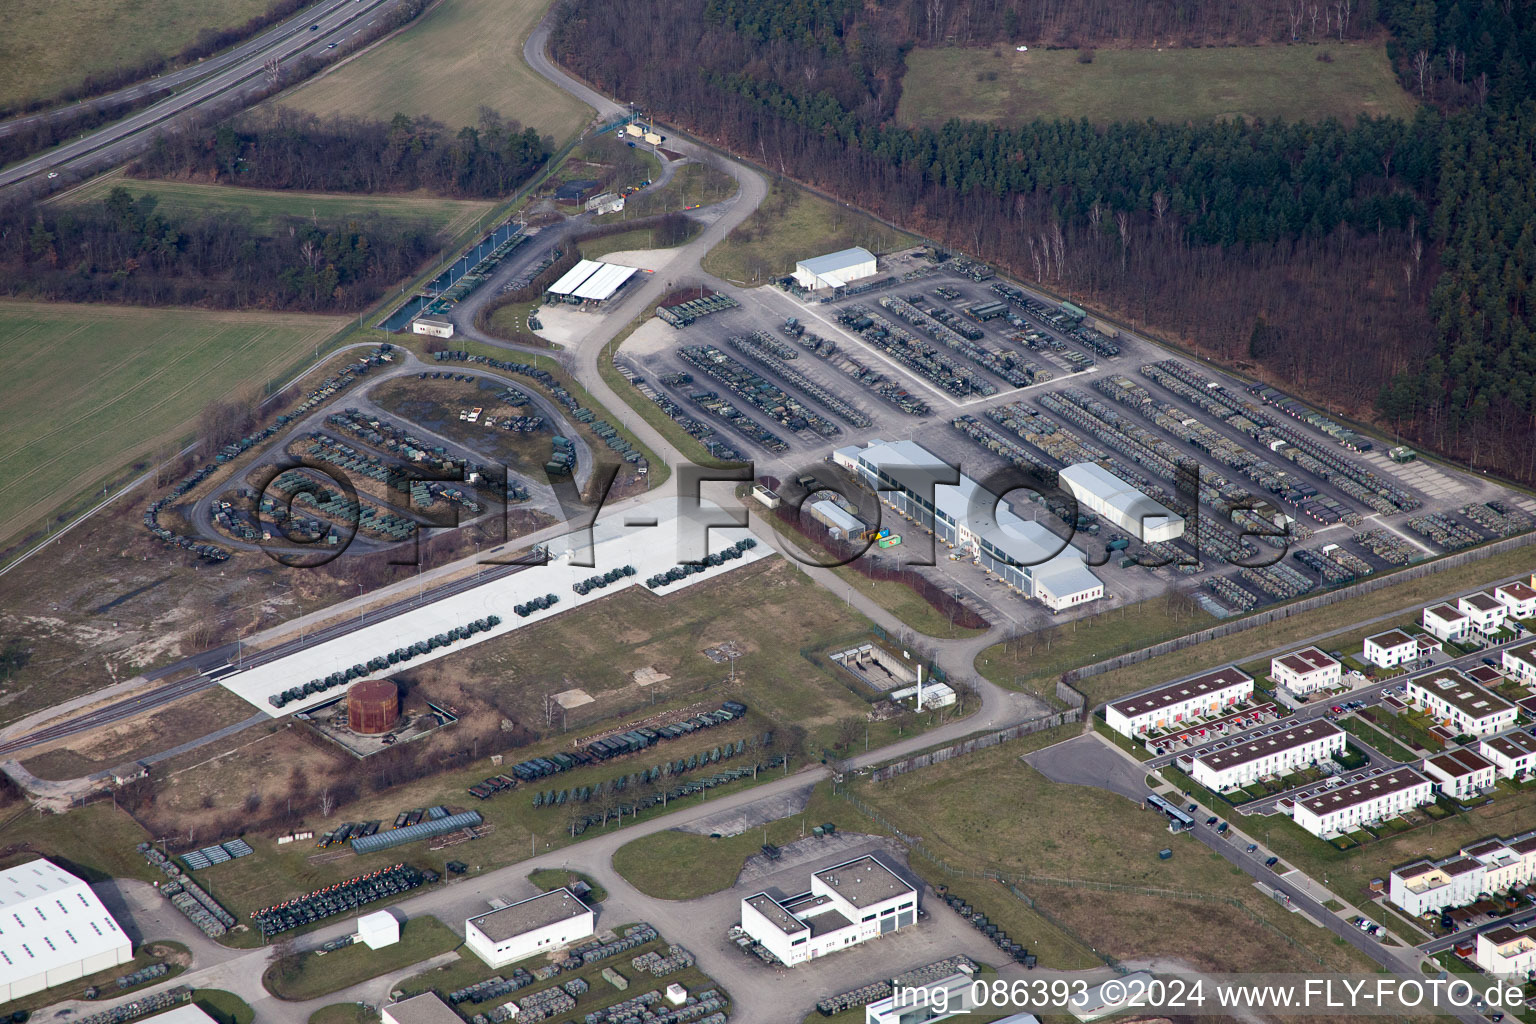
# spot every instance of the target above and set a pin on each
(1211, 820)
(1271, 862)
(1252, 847)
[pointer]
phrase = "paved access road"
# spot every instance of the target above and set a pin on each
(116, 142)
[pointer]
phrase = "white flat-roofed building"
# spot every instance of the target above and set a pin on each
(1508, 950)
(1022, 553)
(1101, 492)
(1374, 799)
(1426, 887)
(1391, 649)
(53, 929)
(604, 282)
(839, 522)
(186, 1013)
(847, 904)
(430, 326)
(1520, 663)
(1279, 753)
(1489, 865)
(1513, 753)
(1169, 706)
(535, 925)
(1461, 704)
(426, 1008)
(1519, 598)
(573, 278)
(835, 269)
(1446, 623)
(1461, 773)
(1487, 612)
(379, 929)
(925, 1004)
(1306, 671)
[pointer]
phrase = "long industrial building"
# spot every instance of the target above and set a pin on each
(1102, 493)
(53, 929)
(1024, 554)
(835, 269)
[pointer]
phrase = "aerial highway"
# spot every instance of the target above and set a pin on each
(258, 44)
(120, 140)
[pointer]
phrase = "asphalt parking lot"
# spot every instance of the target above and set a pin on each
(1076, 394)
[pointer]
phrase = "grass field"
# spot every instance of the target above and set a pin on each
(626, 241)
(1004, 86)
(791, 225)
(461, 55)
(314, 974)
(693, 184)
(40, 54)
(991, 812)
(448, 216)
(223, 1007)
(89, 388)
(343, 1013)
(548, 879)
(675, 865)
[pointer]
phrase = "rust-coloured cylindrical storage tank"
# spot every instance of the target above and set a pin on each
(373, 706)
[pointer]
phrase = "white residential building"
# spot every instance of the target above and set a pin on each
(536, 925)
(1426, 887)
(1305, 671)
(1487, 612)
(1487, 866)
(1446, 623)
(1391, 649)
(1519, 598)
(1520, 663)
(1513, 753)
(53, 929)
(1461, 704)
(1280, 753)
(1374, 799)
(847, 904)
(1168, 706)
(1461, 773)
(1509, 950)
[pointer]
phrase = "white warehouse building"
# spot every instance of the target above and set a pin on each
(1277, 754)
(536, 925)
(847, 904)
(1024, 554)
(1101, 492)
(53, 929)
(835, 269)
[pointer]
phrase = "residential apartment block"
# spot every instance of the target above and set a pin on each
(1507, 950)
(1519, 598)
(1488, 865)
(1460, 773)
(1375, 799)
(1461, 704)
(1391, 649)
(1279, 753)
(1305, 671)
(1520, 663)
(1168, 706)
(1513, 753)
(1446, 623)
(1487, 612)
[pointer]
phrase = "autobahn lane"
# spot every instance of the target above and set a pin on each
(300, 22)
(115, 142)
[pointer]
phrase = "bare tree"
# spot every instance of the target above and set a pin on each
(327, 802)
(1297, 12)
(1480, 88)
(1123, 222)
(1455, 59)
(1313, 12)
(1421, 69)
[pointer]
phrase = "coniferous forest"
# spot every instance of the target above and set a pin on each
(1382, 268)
